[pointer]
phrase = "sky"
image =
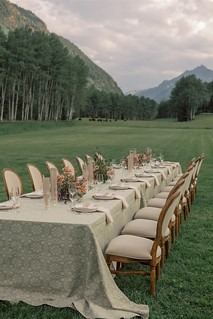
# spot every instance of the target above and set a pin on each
(140, 43)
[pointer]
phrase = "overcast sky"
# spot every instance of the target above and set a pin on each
(139, 43)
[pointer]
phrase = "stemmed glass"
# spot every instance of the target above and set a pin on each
(161, 158)
(111, 176)
(73, 195)
(14, 197)
(99, 179)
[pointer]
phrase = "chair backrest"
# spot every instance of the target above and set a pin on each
(36, 176)
(88, 158)
(81, 164)
(200, 163)
(67, 163)
(178, 185)
(167, 212)
(196, 162)
(51, 165)
(188, 179)
(12, 182)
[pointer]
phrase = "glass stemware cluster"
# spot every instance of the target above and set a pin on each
(73, 195)
(99, 180)
(14, 198)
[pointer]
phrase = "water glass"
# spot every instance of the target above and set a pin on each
(73, 195)
(99, 179)
(14, 198)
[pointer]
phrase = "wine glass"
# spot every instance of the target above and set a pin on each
(99, 179)
(73, 195)
(111, 176)
(14, 197)
(161, 158)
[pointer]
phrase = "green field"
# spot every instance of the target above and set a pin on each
(185, 288)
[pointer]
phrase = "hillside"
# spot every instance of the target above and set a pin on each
(163, 90)
(12, 17)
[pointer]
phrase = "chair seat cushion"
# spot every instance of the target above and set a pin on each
(142, 228)
(162, 195)
(151, 213)
(173, 183)
(156, 202)
(131, 247)
(167, 188)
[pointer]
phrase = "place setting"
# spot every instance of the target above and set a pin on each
(14, 201)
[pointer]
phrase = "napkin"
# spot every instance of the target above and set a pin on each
(112, 196)
(125, 186)
(36, 194)
(142, 179)
(132, 180)
(137, 193)
(119, 186)
(155, 178)
(162, 173)
(91, 208)
(173, 164)
(53, 184)
(8, 205)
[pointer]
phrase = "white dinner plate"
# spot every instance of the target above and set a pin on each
(117, 186)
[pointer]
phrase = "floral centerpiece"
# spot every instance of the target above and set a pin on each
(101, 167)
(64, 182)
(139, 159)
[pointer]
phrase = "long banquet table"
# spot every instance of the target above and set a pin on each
(56, 256)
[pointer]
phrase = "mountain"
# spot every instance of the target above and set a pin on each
(13, 16)
(163, 91)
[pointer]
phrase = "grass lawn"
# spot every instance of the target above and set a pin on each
(185, 288)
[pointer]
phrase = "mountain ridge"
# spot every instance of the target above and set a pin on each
(13, 16)
(163, 90)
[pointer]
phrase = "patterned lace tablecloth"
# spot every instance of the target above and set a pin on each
(55, 257)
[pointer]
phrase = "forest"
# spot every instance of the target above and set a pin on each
(40, 80)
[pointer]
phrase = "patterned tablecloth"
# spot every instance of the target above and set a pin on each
(55, 256)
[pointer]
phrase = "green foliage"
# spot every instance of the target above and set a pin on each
(39, 79)
(106, 105)
(184, 289)
(188, 94)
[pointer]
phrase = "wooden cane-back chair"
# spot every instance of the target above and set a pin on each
(129, 249)
(36, 177)
(12, 182)
(67, 163)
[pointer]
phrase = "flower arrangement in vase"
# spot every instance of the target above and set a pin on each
(100, 167)
(66, 180)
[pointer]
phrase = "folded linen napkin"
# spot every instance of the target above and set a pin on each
(7, 205)
(111, 196)
(137, 193)
(140, 180)
(143, 178)
(119, 186)
(125, 186)
(153, 175)
(91, 208)
(36, 194)
(173, 164)
(162, 173)
(169, 171)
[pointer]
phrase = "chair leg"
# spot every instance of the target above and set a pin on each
(185, 211)
(168, 247)
(158, 271)
(162, 256)
(177, 225)
(152, 279)
(173, 231)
